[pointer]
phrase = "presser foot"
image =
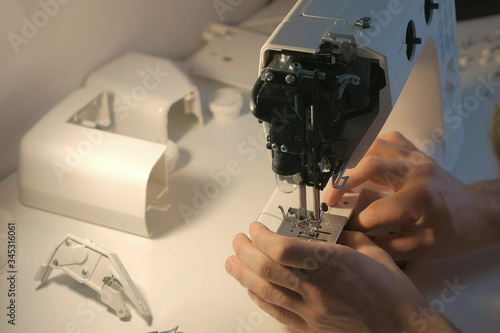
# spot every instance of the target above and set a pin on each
(326, 228)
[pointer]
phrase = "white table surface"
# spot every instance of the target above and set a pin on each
(180, 271)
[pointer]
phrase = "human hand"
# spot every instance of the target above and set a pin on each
(324, 287)
(438, 215)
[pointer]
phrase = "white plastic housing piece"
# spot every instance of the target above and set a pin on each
(144, 90)
(91, 174)
(230, 55)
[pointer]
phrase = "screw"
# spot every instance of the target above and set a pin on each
(85, 272)
(290, 79)
(269, 76)
(67, 243)
(294, 66)
(364, 22)
(284, 148)
(274, 146)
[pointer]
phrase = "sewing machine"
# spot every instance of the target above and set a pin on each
(336, 73)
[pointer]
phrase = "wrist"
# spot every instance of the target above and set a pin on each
(488, 193)
(427, 319)
(488, 211)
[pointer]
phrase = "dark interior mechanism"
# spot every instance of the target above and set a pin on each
(318, 107)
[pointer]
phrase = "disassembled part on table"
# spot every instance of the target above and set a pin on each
(98, 158)
(98, 269)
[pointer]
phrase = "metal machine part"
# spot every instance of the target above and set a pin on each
(100, 270)
(307, 102)
(330, 76)
(305, 225)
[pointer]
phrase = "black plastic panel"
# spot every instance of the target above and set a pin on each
(469, 9)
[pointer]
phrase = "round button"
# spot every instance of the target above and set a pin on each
(226, 104)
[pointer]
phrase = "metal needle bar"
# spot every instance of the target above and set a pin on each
(317, 204)
(302, 202)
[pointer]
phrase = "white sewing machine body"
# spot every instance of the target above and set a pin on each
(412, 42)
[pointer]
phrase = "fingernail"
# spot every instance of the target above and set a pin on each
(229, 264)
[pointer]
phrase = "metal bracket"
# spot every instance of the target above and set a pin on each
(341, 180)
(98, 269)
(343, 80)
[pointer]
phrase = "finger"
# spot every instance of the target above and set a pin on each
(263, 266)
(399, 139)
(389, 149)
(289, 251)
(376, 169)
(393, 209)
(394, 145)
(391, 145)
(405, 245)
(379, 170)
(269, 292)
(361, 243)
(332, 195)
(282, 315)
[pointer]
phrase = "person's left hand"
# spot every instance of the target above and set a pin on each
(324, 287)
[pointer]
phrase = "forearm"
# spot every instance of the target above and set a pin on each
(489, 198)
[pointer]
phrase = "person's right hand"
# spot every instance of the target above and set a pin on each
(318, 287)
(438, 215)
